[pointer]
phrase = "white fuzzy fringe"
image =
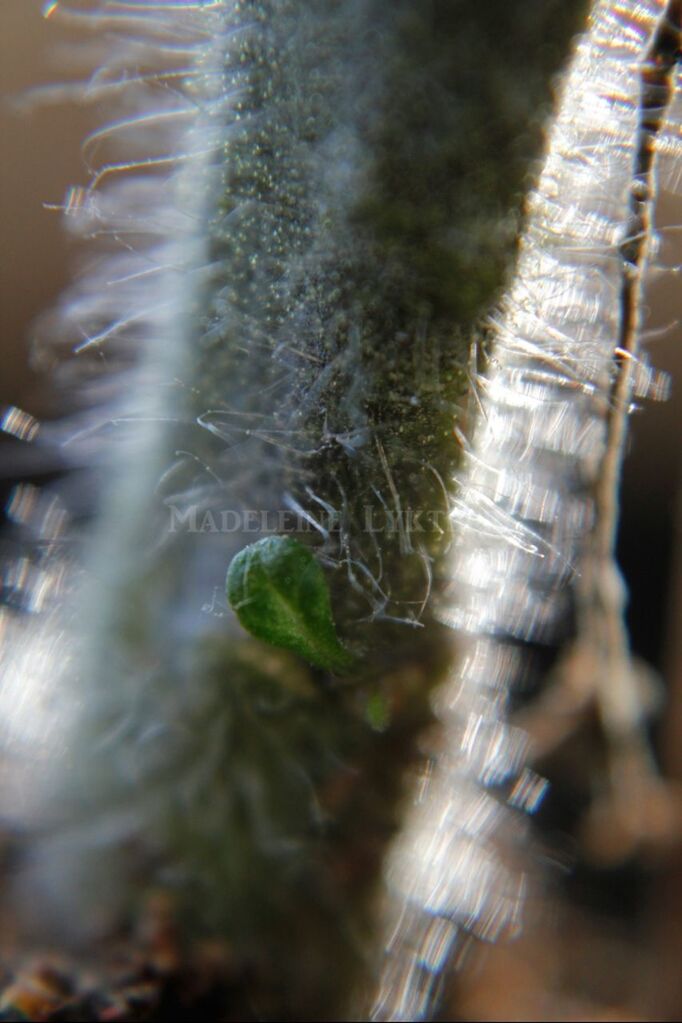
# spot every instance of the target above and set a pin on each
(523, 511)
(143, 216)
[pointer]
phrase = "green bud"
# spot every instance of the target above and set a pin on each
(280, 595)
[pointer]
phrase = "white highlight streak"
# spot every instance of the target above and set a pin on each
(522, 511)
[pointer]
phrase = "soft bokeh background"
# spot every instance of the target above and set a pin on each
(41, 157)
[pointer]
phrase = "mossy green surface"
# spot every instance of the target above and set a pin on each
(279, 593)
(367, 199)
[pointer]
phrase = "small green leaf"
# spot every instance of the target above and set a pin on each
(279, 593)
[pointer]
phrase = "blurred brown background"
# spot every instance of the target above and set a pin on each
(40, 158)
